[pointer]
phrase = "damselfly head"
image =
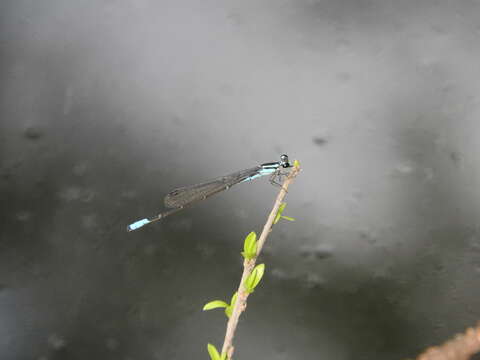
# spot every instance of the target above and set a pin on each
(284, 161)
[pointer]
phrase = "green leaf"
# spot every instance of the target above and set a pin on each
(250, 240)
(215, 304)
(212, 351)
(234, 299)
(248, 285)
(279, 212)
(250, 246)
(229, 309)
(260, 269)
(254, 278)
(280, 216)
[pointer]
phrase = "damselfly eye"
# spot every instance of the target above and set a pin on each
(284, 161)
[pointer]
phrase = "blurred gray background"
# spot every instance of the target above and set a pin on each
(105, 106)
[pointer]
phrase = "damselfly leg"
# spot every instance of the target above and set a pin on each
(278, 174)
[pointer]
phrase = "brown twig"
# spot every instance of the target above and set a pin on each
(462, 347)
(248, 266)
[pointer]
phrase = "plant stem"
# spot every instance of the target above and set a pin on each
(248, 266)
(461, 347)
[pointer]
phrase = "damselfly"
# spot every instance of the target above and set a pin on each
(180, 198)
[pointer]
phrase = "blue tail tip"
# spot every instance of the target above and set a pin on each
(137, 224)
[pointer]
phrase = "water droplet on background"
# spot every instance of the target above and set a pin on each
(112, 344)
(56, 341)
(319, 251)
(33, 132)
(23, 215)
(404, 168)
(80, 169)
